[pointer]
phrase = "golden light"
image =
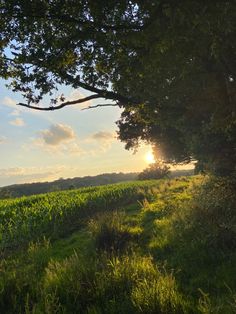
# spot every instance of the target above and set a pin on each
(149, 157)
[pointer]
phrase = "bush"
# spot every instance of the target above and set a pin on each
(214, 212)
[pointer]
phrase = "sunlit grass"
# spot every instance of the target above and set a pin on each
(159, 249)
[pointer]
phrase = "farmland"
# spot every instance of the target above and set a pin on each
(140, 247)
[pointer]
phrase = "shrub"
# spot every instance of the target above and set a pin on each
(214, 212)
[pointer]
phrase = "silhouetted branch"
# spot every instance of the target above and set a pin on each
(100, 105)
(64, 104)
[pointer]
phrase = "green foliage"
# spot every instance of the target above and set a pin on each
(214, 213)
(154, 171)
(196, 235)
(162, 254)
(170, 65)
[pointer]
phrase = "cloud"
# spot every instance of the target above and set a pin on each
(74, 95)
(103, 136)
(17, 122)
(15, 112)
(57, 134)
(28, 171)
(9, 102)
(101, 141)
(18, 110)
(2, 139)
(59, 138)
(73, 148)
(69, 148)
(30, 174)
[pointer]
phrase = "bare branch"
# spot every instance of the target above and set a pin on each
(101, 105)
(64, 104)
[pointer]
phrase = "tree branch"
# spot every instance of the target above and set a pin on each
(64, 104)
(76, 82)
(101, 105)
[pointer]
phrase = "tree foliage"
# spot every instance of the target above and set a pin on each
(156, 170)
(170, 65)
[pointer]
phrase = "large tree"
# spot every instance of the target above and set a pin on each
(171, 66)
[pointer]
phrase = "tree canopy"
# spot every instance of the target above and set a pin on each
(170, 65)
(156, 170)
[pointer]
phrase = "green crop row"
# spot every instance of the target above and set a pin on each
(55, 214)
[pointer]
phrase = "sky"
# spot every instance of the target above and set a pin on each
(70, 142)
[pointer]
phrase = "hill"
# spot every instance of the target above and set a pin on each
(26, 189)
(161, 246)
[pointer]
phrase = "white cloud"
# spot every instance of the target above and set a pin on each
(15, 112)
(17, 122)
(2, 139)
(30, 174)
(102, 139)
(23, 171)
(18, 110)
(103, 136)
(60, 139)
(69, 148)
(74, 95)
(9, 102)
(73, 148)
(57, 134)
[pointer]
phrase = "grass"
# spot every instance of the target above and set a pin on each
(171, 252)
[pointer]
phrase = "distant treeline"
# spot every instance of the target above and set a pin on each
(27, 189)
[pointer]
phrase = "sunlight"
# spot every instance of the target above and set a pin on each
(149, 157)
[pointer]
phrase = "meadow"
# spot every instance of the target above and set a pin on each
(159, 246)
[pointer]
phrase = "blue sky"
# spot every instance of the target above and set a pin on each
(43, 146)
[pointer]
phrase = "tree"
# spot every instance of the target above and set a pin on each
(170, 65)
(156, 170)
(5, 193)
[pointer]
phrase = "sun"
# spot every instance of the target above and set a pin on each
(149, 157)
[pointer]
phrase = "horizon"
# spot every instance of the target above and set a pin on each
(172, 169)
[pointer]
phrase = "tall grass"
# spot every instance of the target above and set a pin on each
(111, 234)
(124, 284)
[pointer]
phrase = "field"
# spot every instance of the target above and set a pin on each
(161, 246)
